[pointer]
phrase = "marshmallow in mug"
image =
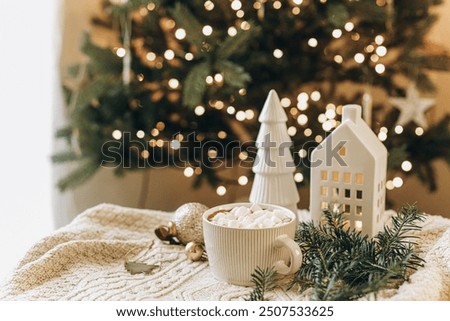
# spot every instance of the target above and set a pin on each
(250, 217)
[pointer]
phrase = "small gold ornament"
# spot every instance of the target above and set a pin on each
(188, 222)
(167, 233)
(194, 251)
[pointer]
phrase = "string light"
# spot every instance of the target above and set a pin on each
(169, 54)
(173, 83)
(379, 40)
(245, 25)
(337, 33)
(236, 5)
(151, 6)
(398, 129)
(285, 102)
(355, 36)
(222, 134)
(232, 31)
(318, 139)
(327, 126)
(390, 185)
(277, 5)
(359, 58)
(117, 134)
(302, 153)
(380, 68)
(240, 115)
(322, 118)
(209, 80)
(221, 190)
(242, 180)
(302, 119)
(218, 77)
(381, 51)
(419, 131)
(296, 11)
(374, 58)
(249, 114)
(293, 111)
(154, 132)
(209, 5)
(369, 48)
(231, 110)
(140, 134)
(406, 166)
(151, 56)
(243, 155)
(338, 59)
(145, 154)
(207, 30)
(278, 53)
(292, 130)
(121, 52)
(180, 34)
(330, 113)
(382, 136)
(199, 110)
(188, 172)
(175, 144)
(160, 125)
(298, 2)
(298, 177)
(212, 153)
(307, 132)
(349, 26)
(240, 13)
(397, 182)
(188, 56)
(315, 95)
(312, 42)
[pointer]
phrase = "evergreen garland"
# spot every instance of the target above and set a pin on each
(342, 264)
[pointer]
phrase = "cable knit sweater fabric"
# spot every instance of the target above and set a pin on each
(85, 261)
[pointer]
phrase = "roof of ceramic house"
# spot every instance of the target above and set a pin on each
(351, 119)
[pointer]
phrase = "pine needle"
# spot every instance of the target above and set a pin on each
(265, 280)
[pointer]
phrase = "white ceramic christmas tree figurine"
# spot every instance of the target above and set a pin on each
(349, 169)
(274, 167)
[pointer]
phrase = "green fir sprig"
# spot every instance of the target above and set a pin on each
(265, 280)
(340, 263)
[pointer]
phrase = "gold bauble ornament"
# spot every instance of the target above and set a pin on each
(188, 222)
(194, 251)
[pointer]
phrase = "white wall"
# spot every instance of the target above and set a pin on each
(27, 73)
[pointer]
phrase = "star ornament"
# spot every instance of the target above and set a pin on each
(412, 107)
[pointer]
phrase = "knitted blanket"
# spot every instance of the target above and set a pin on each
(85, 261)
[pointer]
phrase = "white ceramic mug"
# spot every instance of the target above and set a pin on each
(235, 253)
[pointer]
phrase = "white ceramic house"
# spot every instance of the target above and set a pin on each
(274, 166)
(349, 169)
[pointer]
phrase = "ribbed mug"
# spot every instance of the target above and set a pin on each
(235, 253)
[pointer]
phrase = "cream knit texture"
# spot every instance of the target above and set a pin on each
(85, 261)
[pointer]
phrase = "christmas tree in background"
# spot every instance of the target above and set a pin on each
(184, 74)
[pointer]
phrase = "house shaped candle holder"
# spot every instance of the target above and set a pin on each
(348, 169)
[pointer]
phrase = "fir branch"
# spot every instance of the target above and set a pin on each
(342, 264)
(233, 74)
(265, 280)
(238, 44)
(78, 176)
(186, 20)
(195, 84)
